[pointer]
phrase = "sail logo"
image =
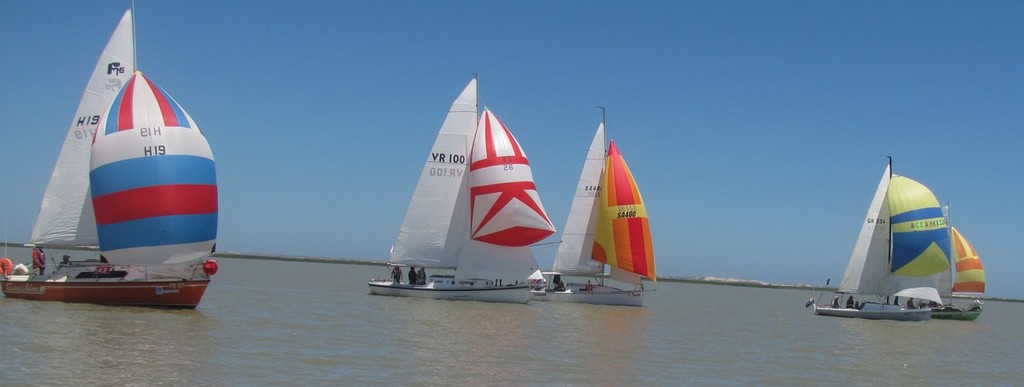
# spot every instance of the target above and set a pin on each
(115, 68)
(113, 85)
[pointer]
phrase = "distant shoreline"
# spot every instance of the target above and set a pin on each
(691, 280)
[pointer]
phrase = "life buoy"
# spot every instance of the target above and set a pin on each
(6, 266)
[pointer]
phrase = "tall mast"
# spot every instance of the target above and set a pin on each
(135, 55)
(952, 266)
(476, 77)
(604, 143)
(889, 221)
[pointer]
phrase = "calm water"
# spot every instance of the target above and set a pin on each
(291, 323)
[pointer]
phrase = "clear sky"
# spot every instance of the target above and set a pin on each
(756, 130)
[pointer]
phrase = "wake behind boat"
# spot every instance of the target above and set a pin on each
(906, 213)
(607, 225)
(475, 210)
(153, 208)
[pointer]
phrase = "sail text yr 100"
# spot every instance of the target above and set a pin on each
(446, 172)
(447, 158)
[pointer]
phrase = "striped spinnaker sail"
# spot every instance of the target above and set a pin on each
(920, 240)
(505, 207)
(623, 237)
(970, 275)
(154, 186)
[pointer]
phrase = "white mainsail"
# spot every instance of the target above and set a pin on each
(66, 213)
(574, 252)
(436, 225)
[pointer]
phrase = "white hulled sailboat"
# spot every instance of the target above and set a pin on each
(607, 225)
(475, 210)
(902, 245)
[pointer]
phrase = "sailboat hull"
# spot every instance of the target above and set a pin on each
(450, 289)
(93, 282)
(950, 312)
(597, 294)
(170, 294)
(873, 311)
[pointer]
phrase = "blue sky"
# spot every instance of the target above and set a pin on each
(756, 130)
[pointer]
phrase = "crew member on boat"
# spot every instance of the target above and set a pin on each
(39, 259)
(412, 276)
(396, 274)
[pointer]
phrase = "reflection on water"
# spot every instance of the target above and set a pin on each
(453, 337)
(601, 343)
(486, 343)
(78, 343)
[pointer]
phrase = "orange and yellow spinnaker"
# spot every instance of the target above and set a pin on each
(970, 275)
(623, 236)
